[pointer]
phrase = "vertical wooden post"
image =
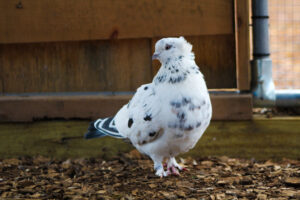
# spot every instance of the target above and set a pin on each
(241, 8)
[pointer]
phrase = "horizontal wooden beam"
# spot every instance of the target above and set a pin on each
(21, 108)
(232, 106)
(65, 20)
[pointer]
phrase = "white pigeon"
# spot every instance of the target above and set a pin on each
(167, 116)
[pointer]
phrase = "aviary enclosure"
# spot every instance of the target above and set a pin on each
(64, 63)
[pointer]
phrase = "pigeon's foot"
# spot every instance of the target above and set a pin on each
(158, 167)
(173, 167)
(173, 171)
(160, 171)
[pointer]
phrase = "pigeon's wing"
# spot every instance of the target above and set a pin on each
(139, 119)
(189, 113)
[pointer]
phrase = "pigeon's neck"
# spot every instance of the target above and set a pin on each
(176, 70)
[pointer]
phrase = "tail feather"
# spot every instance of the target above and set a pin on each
(101, 128)
(93, 132)
(92, 127)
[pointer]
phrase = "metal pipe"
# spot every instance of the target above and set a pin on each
(287, 98)
(260, 23)
(263, 88)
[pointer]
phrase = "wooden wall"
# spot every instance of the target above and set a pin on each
(117, 65)
(92, 46)
(35, 57)
(120, 65)
(64, 20)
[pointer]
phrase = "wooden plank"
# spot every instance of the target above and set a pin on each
(215, 55)
(1, 77)
(1, 84)
(232, 106)
(258, 139)
(18, 108)
(117, 65)
(64, 20)
(242, 44)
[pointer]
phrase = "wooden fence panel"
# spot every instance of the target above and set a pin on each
(121, 65)
(117, 57)
(64, 20)
(117, 65)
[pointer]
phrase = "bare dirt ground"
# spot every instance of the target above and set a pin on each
(131, 176)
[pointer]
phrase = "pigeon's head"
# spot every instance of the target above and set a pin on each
(168, 48)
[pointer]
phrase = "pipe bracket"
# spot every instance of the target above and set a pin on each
(262, 83)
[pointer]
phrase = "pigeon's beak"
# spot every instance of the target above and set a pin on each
(155, 56)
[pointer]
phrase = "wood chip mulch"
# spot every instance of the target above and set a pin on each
(132, 177)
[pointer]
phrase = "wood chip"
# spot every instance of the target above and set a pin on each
(101, 192)
(181, 194)
(262, 197)
(130, 177)
(292, 181)
(152, 185)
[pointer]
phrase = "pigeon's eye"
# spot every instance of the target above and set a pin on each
(168, 46)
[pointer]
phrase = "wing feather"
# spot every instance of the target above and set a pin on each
(138, 119)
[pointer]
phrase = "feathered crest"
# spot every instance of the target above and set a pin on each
(186, 46)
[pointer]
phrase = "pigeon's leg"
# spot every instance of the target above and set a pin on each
(158, 167)
(173, 167)
(175, 164)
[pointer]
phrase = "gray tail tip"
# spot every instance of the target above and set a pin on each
(92, 132)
